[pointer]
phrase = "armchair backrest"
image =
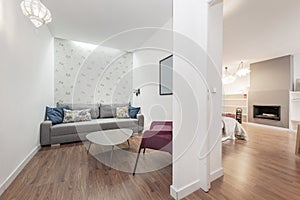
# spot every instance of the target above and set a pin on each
(162, 125)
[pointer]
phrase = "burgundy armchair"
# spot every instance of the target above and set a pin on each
(159, 137)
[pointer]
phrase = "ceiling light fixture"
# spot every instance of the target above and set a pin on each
(227, 77)
(36, 11)
(242, 70)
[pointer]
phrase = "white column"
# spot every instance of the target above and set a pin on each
(214, 79)
(193, 140)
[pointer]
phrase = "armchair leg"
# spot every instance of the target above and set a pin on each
(144, 151)
(136, 162)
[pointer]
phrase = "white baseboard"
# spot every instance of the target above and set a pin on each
(185, 191)
(216, 174)
(15, 173)
(173, 192)
(178, 194)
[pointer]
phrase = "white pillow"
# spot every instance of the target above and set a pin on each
(77, 115)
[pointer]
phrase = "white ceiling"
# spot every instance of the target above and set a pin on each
(256, 30)
(94, 21)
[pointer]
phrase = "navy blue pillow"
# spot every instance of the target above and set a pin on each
(56, 115)
(133, 111)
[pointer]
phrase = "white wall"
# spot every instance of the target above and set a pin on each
(146, 75)
(194, 78)
(26, 85)
(296, 68)
(214, 79)
(241, 84)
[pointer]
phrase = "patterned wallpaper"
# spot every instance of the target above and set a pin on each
(91, 74)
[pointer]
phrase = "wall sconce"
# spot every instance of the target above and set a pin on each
(137, 92)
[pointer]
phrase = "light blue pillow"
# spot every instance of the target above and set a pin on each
(133, 111)
(56, 115)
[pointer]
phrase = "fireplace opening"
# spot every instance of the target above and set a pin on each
(267, 112)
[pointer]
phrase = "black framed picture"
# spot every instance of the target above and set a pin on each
(166, 76)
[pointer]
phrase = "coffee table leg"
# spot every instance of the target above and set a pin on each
(111, 155)
(89, 147)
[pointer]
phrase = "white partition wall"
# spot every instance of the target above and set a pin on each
(197, 96)
(26, 85)
(146, 75)
(215, 53)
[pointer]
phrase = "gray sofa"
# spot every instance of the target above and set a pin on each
(103, 118)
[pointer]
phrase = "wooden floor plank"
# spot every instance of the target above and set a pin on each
(263, 168)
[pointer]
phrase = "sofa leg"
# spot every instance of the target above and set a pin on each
(55, 145)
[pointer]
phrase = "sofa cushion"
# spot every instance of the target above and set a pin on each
(92, 126)
(122, 112)
(133, 111)
(77, 115)
(115, 123)
(94, 108)
(109, 110)
(56, 115)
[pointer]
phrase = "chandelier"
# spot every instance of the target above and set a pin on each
(227, 77)
(242, 71)
(36, 11)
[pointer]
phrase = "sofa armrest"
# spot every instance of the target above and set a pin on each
(45, 135)
(141, 120)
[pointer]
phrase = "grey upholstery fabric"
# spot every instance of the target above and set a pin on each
(45, 136)
(92, 126)
(140, 119)
(114, 123)
(109, 110)
(94, 108)
(73, 132)
(68, 138)
(74, 128)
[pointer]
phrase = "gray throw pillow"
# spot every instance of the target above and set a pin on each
(77, 115)
(76, 106)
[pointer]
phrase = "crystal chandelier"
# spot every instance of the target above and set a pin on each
(242, 71)
(36, 11)
(227, 77)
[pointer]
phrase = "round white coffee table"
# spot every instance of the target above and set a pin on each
(109, 138)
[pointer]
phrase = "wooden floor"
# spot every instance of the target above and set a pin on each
(265, 167)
